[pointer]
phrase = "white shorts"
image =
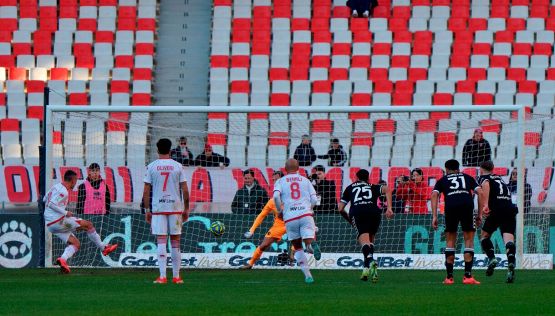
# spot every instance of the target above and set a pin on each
(160, 224)
(65, 228)
(303, 227)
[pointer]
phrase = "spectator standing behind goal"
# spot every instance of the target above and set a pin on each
(304, 153)
(208, 158)
(414, 192)
(325, 190)
(336, 156)
(512, 185)
(93, 196)
(362, 8)
(182, 154)
(476, 150)
(251, 197)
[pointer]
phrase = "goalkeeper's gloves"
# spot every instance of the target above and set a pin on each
(248, 234)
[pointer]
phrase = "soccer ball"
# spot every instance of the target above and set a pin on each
(217, 228)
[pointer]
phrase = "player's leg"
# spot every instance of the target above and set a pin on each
(159, 225)
(451, 227)
(373, 225)
(367, 253)
(489, 227)
(72, 246)
(175, 222)
(304, 230)
(469, 229)
(508, 228)
(265, 244)
(450, 238)
(94, 236)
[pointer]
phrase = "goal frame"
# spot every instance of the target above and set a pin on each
(520, 159)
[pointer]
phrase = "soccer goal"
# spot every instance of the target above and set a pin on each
(405, 147)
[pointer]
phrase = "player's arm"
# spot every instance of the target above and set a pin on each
(341, 209)
(260, 218)
(313, 194)
(146, 201)
(387, 192)
(185, 195)
(277, 200)
(435, 200)
(53, 203)
(345, 198)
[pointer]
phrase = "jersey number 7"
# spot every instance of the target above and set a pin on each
(166, 175)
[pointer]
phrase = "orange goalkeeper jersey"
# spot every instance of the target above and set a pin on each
(269, 207)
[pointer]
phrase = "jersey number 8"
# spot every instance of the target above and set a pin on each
(295, 192)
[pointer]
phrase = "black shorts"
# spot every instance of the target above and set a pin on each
(504, 220)
(461, 214)
(367, 223)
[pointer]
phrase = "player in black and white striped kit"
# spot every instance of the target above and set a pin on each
(365, 215)
(501, 213)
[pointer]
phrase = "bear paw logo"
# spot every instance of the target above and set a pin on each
(15, 245)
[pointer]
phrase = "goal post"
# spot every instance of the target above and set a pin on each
(389, 141)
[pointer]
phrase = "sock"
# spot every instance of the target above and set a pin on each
(94, 237)
(255, 256)
(301, 259)
(176, 258)
(162, 256)
(69, 252)
(449, 252)
(368, 252)
(511, 250)
(468, 264)
(487, 246)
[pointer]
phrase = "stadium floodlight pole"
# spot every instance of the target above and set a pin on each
(521, 177)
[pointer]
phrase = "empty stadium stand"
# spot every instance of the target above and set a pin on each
(424, 52)
(88, 52)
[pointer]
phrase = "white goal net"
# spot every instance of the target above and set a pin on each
(230, 162)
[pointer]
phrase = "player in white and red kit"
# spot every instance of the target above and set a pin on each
(170, 206)
(62, 224)
(295, 196)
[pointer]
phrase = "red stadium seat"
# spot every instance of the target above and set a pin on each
(59, 74)
(516, 74)
(426, 126)
(338, 74)
(35, 112)
(34, 86)
(279, 99)
(321, 86)
(124, 62)
(321, 62)
(9, 125)
(17, 74)
(87, 25)
(361, 99)
(401, 98)
(442, 99)
(146, 24)
(141, 99)
(362, 139)
(445, 139)
(240, 86)
(278, 74)
(240, 61)
(483, 99)
(466, 86)
(119, 86)
(279, 139)
(322, 126)
(532, 139)
(415, 74)
(298, 73)
(400, 61)
(219, 61)
(384, 126)
(79, 99)
(528, 86)
(476, 74)
(490, 126)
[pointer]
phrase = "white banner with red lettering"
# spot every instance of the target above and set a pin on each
(213, 189)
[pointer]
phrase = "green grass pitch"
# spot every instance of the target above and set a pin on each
(271, 292)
